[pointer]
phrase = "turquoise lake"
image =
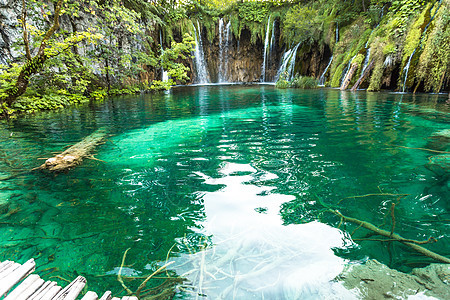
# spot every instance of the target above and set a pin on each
(226, 182)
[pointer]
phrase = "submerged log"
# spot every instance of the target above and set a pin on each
(363, 76)
(75, 154)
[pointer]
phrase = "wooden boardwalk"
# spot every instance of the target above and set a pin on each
(30, 286)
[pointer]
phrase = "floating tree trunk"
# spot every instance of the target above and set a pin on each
(363, 76)
(74, 155)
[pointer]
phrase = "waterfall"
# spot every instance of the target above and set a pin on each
(337, 32)
(199, 55)
(266, 52)
(366, 61)
(272, 39)
(406, 70)
(288, 63)
(322, 77)
(165, 74)
(346, 70)
(221, 58)
(224, 44)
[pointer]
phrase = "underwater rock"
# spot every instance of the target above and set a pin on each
(4, 206)
(375, 280)
(439, 164)
(439, 140)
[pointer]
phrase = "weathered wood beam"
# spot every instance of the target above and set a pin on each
(43, 290)
(15, 276)
(349, 76)
(106, 296)
(71, 291)
(90, 296)
(27, 288)
(363, 76)
(74, 155)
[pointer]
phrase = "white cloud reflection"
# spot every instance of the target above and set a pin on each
(253, 255)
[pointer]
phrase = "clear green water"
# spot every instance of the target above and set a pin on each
(222, 165)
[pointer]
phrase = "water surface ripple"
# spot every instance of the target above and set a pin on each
(238, 178)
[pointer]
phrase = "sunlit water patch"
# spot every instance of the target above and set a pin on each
(250, 254)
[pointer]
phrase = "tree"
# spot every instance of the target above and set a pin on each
(48, 47)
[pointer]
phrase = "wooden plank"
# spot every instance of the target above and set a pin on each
(106, 296)
(42, 290)
(5, 264)
(71, 291)
(50, 294)
(15, 276)
(8, 269)
(90, 296)
(75, 290)
(27, 288)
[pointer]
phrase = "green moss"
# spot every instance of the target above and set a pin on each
(336, 79)
(415, 33)
(358, 59)
(375, 79)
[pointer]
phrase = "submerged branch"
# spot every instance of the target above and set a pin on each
(411, 243)
(424, 149)
(119, 274)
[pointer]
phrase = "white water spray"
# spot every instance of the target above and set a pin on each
(224, 45)
(322, 77)
(288, 64)
(200, 62)
(266, 52)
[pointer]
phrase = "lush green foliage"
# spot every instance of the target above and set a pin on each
(129, 42)
(299, 82)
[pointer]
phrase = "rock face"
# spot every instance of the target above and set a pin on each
(374, 280)
(9, 29)
(240, 60)
(229, 58)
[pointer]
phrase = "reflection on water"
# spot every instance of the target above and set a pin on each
(238, 170)
(252, 254)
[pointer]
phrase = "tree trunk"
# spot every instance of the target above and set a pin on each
(35, 64)
(74, 155)
(349, 76)
(30, 68)
(363, 76)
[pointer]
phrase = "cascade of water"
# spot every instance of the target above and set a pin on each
(366, 61)
(221, 58)
(406, 70)
(272, 39)
(322, 77)
(288, 63)
(346, 70)
(266, 52)
(199, 57)
(365, 64)
(337, 32)
(227, 48)
(165, 74)
(224, 44)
